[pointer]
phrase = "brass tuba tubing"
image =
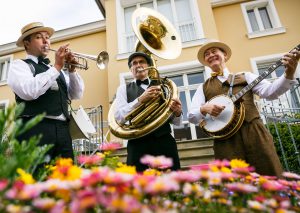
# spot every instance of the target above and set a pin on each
(148, 68)
(101, 60)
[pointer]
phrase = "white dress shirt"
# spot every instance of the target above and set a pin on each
(29, 87)
(123, 107)
(264, 89)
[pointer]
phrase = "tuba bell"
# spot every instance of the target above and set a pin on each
(156, 35)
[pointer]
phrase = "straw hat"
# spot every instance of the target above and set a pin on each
(213, 43)
(33, 28)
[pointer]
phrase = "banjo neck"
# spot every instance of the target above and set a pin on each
(262, 76)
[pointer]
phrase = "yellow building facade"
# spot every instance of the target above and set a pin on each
(259, 33)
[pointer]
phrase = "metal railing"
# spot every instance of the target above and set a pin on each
(89, 145)
(274, 113)
(281, 116)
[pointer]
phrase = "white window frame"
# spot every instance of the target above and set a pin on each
(174, 70)
(267, 59)
(3, 73)
(4, 103)
(277, 27)
(121, 4)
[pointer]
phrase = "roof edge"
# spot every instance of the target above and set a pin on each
(60, 35)
(220, 3)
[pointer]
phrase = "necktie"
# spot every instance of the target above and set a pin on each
(43, 60)
(139, 82)
(214, 74)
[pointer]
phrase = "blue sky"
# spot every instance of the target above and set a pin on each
(58, 14)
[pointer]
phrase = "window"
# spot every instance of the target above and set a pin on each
(183, 14)
(187, 84)
(4, 67)
(264, 67)
(187, 76)
(261, 18)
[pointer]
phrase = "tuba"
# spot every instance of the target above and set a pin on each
(155, 35)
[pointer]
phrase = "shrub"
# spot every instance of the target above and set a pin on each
(14, 154)
(289, 151)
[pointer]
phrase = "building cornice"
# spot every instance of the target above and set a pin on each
(61, 35)
(219, 3)
(101, 6)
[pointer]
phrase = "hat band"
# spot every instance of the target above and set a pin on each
(31, 29)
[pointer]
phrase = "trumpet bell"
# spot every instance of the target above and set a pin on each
(102, 60)
(156, 33)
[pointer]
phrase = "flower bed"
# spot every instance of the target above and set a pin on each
(220, 186)
(102, 184)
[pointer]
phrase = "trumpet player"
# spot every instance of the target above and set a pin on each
(130, 96)
(45, 89)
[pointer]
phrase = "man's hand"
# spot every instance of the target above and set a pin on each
(176, 107)
(290, 60)
(211, 109)
(60, 57)
(150, 93)
(70, 59)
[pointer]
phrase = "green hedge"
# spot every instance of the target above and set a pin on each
(287, 143)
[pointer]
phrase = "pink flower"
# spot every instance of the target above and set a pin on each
(60, 207)
(84, 200)
(242, 188)
(291, 175)
(200, 167)
(273, 185)
(244, 171)
(3, 184)
(27, 192)
(44, 203)
(125, 203)
(220, 163)
(162, 184)
(256, 205)
(96, 176)
(90, 159)
(160, 162)
(110, 146)
(185, 176)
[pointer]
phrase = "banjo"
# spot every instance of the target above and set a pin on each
(229, 121)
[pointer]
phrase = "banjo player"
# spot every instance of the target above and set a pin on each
(252, 142)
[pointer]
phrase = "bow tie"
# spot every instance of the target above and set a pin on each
(214, 74)
(43, 60)
(139, 82)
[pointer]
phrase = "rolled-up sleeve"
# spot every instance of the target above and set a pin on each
(270, 90)
(25, 84)
(194, 115)
(76, 86)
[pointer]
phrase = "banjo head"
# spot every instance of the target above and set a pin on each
(215, 124)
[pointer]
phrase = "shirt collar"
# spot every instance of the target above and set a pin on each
(32, 57)
(226, 73)
(145, 78)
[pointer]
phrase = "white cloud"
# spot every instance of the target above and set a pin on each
(58, 14)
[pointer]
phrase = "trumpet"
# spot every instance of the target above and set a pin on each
(101, 60)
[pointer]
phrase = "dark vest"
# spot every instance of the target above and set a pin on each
(134, 91)
(53, 102)
(251, 111)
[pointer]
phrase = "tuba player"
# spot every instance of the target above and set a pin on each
(130, 96)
